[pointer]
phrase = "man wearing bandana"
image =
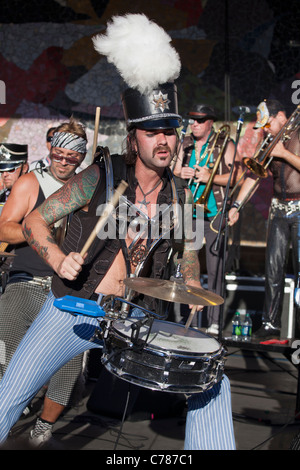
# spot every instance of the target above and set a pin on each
(284, 215)
(29, 277)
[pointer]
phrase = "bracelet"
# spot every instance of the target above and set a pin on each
(236, 204)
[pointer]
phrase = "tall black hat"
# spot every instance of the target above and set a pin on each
(12, 156)
(157, 109)
(141, 51)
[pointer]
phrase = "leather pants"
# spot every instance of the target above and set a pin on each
(283, 229)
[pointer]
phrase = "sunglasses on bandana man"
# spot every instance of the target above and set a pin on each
(69, 160)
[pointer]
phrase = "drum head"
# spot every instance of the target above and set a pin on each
(171, 337)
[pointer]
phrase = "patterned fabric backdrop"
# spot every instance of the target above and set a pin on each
(232, 53)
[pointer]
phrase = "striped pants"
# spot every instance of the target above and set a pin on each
(53, 339)
(209, 423)
(19, 306)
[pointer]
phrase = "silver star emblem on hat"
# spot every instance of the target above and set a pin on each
(161, 101)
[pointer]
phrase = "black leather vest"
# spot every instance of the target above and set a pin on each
(103, 252)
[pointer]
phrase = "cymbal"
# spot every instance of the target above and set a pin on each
(6, 254)
(173, 291)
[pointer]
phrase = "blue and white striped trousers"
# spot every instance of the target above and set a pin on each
(209, 423)
(53, 339)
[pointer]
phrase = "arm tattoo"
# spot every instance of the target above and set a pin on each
(73, 195)
(42, 251)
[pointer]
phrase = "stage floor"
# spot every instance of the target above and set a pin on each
(264, 390)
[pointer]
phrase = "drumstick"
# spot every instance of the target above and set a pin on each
(110, 206)
(191, 316)
(97, 120)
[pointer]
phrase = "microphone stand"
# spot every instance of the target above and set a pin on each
(224, 215)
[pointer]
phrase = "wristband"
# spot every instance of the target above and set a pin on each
(236, 204)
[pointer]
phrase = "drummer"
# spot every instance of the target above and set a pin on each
(56, 336)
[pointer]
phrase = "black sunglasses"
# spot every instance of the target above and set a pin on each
(202, 120)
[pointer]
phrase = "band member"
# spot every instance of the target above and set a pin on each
(195, 163)
(13, 164)
(152, 119)
(284, 215)
(28, 279)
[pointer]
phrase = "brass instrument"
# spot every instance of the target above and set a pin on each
(237, 185)
(264, 145)
(259, 166)
(224, 133)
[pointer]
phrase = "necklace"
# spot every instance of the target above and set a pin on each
(144, 202)
(198, 155)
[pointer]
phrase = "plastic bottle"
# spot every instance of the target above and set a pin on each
(236, 327)
(247, 328)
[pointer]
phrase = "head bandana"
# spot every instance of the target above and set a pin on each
(69, 141)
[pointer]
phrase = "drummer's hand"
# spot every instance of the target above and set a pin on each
(70, 267)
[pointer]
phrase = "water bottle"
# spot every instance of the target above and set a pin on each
(236, 327)
(247, 328)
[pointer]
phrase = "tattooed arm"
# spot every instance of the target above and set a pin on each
(73, 195)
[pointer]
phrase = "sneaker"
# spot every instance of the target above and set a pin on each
(213, 329)
(26, 412)
(267, 331)
(40, 440)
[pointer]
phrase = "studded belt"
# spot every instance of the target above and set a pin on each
(44, 282)
(288, 206)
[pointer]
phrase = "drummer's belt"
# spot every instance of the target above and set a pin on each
(44, 282)
(288, 206)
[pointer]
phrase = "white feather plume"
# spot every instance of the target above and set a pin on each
(140, 50)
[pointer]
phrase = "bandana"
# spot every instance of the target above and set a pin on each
(69, 141)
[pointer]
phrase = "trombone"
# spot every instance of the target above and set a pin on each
(223, 133)
(259, 166)
(262, 146)
(259, 163)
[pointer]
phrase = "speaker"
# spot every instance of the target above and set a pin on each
(112, 396)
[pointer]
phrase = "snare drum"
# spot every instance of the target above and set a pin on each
(172, 358)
